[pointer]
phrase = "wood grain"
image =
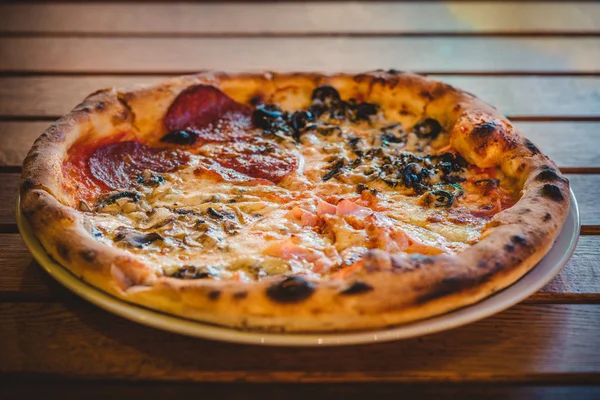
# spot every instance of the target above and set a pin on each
(53, 96)
(298, 18)
(587, 192)
(28, 388)
(579, 281)
(8, 196)
(570, 144)
(16, 139)
(585, 186)
(93, 54)
(528, 343)
(24, 280)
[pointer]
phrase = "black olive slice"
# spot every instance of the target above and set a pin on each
(325, 94)
(184, 137)
(265, 115)
(111, 197)
(317, 109)
(413, 174)
(298, 121)
(428, 128)
(453, 188)
(365, 110)
(438, 198)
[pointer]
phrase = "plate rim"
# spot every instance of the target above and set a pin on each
(175, 324)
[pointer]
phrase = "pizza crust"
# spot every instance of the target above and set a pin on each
(393, 289)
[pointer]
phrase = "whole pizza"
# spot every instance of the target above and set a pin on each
(293, 202)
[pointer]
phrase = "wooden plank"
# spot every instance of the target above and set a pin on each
(580, 279)
(53, 96)
(569, 144)
(94, 54)
(8, 197)
(585, 186)
(528, 343)
(526, 96)
(33, 388)
(298, 18)
(24, 280)
(587, 193)
(17, 138)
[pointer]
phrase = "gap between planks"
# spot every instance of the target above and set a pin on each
(269, 35)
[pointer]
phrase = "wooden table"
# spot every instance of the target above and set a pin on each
(537, 62)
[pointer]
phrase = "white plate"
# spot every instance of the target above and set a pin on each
(541, 274)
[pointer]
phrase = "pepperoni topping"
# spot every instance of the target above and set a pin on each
(200, 106)
(261, 161)
(118, 164)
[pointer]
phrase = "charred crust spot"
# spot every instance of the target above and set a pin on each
(418, 260)
(357, 287)
(293, 289)
(100, 106)
(547, 217)
(88, 255)
(509, 247)
(97, 92)
(378, 80)
(458, 283)
(447, 286)
(485, 129)
(518, 239)
(63, 251)
(548, 174)
(482, 264)
(256, 99)
(27, 185)
(490, 133)
(441, 89)
(552, 192)
(521, 167)
(360, 78)
(531, 147)
(426, 95)
(214, 294)
(240, 295)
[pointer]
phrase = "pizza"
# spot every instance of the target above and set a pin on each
(293, 202)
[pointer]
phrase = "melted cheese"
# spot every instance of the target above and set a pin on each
(195, 225)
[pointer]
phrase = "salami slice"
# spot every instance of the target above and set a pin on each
(201, 105)
(260, 161)
(118, 164)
